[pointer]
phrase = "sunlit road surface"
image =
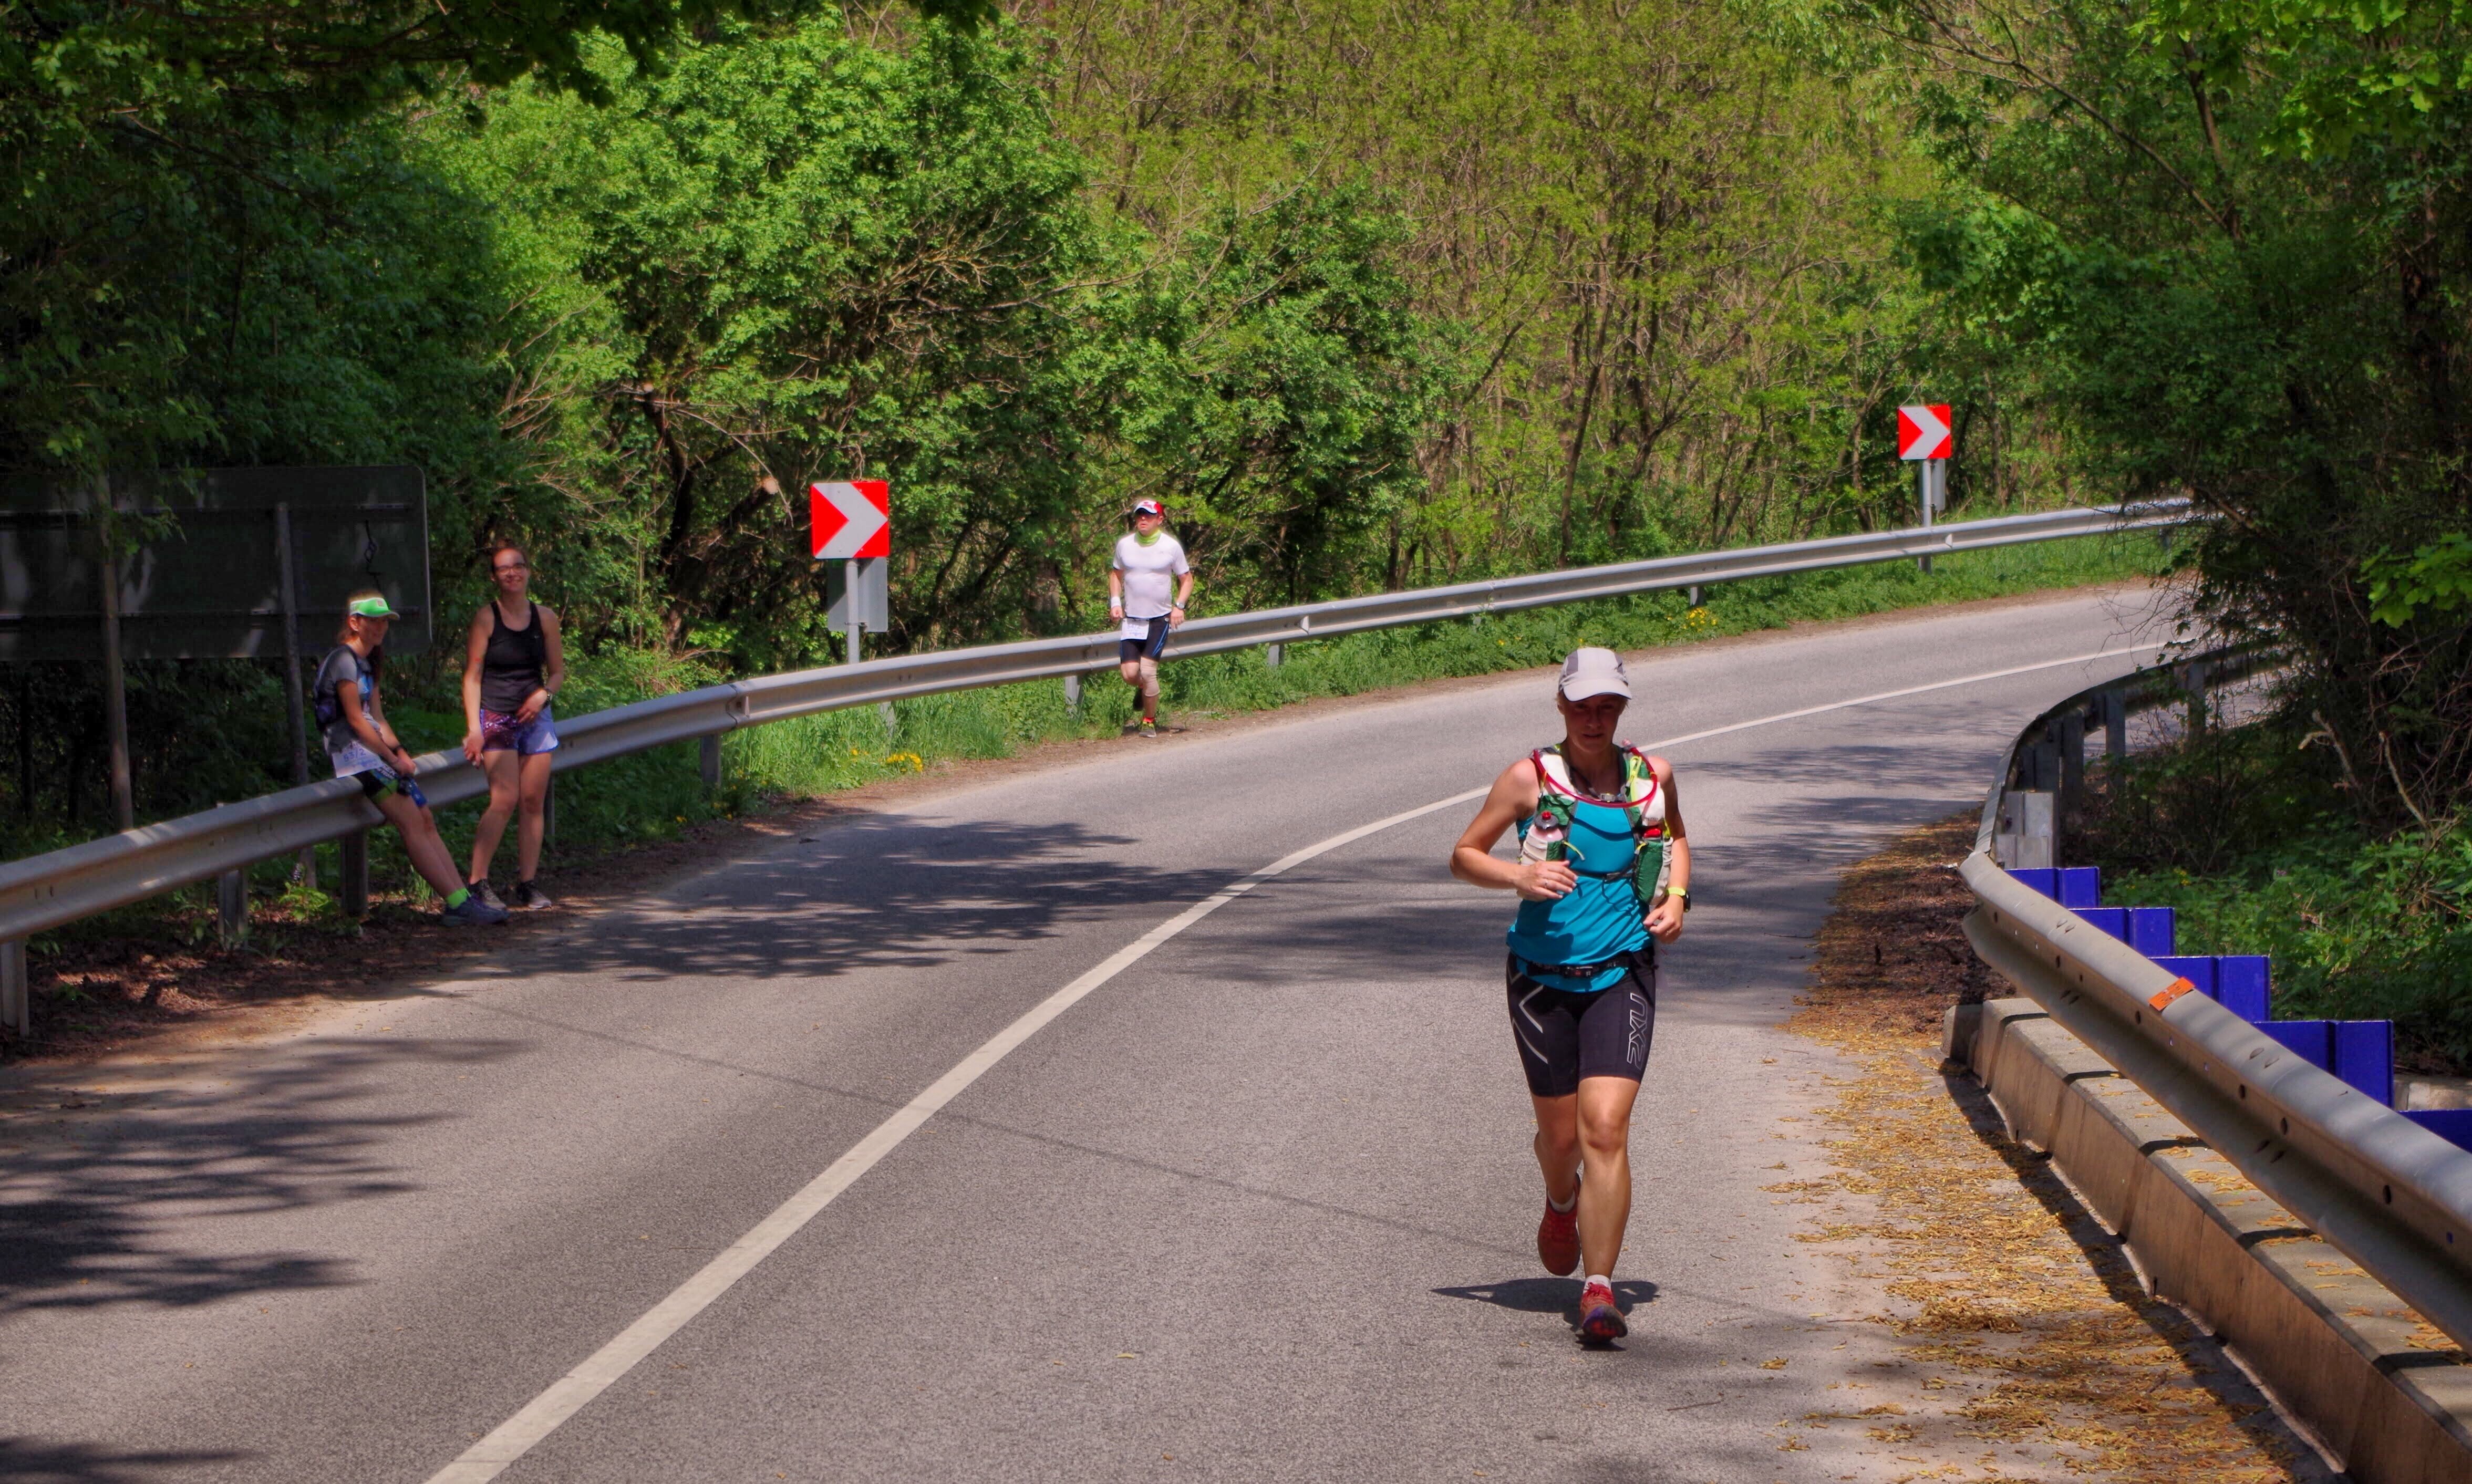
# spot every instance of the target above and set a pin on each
(1255, 1204)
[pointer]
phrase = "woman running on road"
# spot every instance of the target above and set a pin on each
(1602, 869)
(363, 745)
(512, 667)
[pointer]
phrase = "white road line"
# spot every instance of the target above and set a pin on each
(515, 1437)
(1911, 689)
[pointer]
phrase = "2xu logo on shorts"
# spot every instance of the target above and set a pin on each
(1636, 1049)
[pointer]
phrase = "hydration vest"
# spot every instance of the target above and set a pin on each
(1548, 829)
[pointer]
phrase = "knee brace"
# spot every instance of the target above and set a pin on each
(1150, 680)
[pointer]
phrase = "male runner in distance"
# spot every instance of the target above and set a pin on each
(1148, 563)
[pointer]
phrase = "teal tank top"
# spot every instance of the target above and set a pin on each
(1600, 917)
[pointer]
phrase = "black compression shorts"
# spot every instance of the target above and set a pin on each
(1564, 1036)
(1128, 651)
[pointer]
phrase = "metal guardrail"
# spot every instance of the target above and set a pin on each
(2389, 1195)
(45, 891)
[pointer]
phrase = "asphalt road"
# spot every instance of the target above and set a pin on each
(1260, 1206)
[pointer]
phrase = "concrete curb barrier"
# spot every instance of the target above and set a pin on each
(2334, 1346)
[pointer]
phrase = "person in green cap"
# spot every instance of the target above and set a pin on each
(362, 745)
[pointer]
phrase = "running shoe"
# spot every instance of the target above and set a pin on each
(472, 912)
(1557, 1239)
(1600, 1316)
(486, 894)
(1149, 729)
(528, 898)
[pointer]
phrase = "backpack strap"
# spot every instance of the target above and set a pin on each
(1639, 791)
(1555, 799)
(328, 708)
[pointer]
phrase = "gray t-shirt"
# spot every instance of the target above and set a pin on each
(341, 668)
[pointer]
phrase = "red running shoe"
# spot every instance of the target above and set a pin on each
(1600, 1318)
(1557, 1239)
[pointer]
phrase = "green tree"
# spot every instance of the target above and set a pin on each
(2233, 245)
(796, 257)
(1275, 387)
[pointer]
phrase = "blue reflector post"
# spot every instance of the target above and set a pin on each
(2150, 929)
(2313, 1040)
(2241, 983)
(2364, 1057)
(2113, 920)
(2451, 1124)
(2042, 879)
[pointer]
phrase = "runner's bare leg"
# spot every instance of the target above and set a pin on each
(1605, 1152)
(1557, 1146)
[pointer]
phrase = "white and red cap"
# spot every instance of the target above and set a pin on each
(1149, 507)
(1594, 671)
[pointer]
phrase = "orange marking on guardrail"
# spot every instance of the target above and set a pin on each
(2164, 997)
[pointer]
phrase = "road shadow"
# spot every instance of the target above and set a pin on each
(31, 1461)
(1549, 1295)
(884, 892)
(89, 1205)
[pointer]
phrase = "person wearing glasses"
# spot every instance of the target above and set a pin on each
(512, 667)
(1602, 876)
(351, 716)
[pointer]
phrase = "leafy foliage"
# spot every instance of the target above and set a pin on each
(1373, 295)
(1659, 245)
(790, 258)
(2438, 578)
(2231, 244)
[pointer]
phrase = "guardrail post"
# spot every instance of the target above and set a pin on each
(355, 885)
(708, 759)
(232, 908)
(1274, 656)
(1691, 595)
(2027, 830)
(2115, 724)
(16, 1004)
(2068, 732)
(2195, 678)
(891, 721)
(2038, 767)
(1073, 695)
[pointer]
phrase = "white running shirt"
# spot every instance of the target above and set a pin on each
(1149, 574)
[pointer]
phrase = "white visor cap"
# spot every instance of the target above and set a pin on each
(1594, 671)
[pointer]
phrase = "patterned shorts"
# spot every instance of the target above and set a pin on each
(503, 733)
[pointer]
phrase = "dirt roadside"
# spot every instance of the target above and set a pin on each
(2028, 1348)
(167, 993)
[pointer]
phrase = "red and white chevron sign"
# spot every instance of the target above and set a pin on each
(850, 518)
(1923, 431)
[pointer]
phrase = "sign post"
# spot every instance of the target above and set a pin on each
(850, 529)
(1923, 438)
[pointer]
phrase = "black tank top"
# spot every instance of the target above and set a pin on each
(510, 667)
